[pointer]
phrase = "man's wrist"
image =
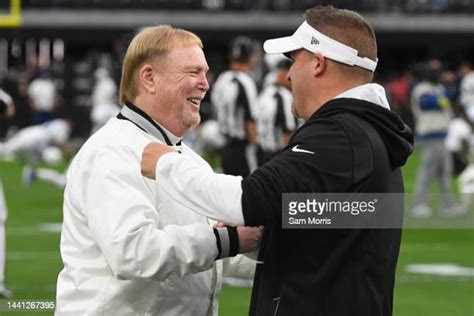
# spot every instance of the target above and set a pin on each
(233, 240)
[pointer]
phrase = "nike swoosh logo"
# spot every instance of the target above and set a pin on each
(298, 150)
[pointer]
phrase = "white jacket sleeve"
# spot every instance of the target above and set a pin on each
(120, 210)
(198, 188)
(240, 266)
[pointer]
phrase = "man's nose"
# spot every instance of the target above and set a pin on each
(203, 83)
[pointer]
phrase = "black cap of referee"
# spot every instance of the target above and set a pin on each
(241, 49)
(284, 64)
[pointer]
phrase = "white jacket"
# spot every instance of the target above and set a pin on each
(128, 249)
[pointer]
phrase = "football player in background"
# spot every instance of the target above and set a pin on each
(7, 109)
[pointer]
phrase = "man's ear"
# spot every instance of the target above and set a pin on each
(319, 64)
(147, 78)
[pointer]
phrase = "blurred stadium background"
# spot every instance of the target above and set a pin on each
(72, 38)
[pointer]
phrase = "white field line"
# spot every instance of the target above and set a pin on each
(43, 228)
(440, 269)
(32, 255)
(30, 288)
(427, 278)
(433, 247)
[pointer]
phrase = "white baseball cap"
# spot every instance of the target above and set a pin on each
(310, 39)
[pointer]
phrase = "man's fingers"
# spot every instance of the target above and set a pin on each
(151, 153)
(219, 225)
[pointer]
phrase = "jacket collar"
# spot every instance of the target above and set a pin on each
(371, 92)
(143, 121)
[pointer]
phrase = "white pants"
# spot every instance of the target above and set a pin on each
(466, 184)
(52, 176)
(435, 164)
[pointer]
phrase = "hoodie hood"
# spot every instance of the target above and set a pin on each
(370, 92)
(396, 135)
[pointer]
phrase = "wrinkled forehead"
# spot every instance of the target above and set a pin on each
(186, 56)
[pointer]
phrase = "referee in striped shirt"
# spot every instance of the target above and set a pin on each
(234, 98)
(275, 122)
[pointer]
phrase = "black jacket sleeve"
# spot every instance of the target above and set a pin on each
(317, 159)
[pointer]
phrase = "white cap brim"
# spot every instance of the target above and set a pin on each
(312, 40)
(280, 45)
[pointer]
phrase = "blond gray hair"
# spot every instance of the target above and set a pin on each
(150, 44)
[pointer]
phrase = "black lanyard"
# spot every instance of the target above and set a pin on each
(144, 122)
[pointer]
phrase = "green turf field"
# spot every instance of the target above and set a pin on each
(33, 260)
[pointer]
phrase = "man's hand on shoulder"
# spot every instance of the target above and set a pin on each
(151, 154)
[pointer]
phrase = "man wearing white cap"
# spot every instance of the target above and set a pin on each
(350, 143)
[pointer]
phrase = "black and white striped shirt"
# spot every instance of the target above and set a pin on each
(274, 117)
(234, 99)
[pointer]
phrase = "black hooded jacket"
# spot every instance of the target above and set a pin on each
(358, 146)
